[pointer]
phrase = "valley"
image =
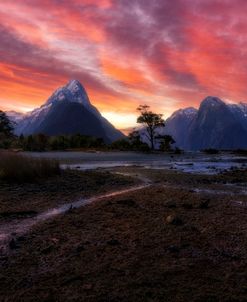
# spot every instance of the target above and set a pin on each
(123, 151)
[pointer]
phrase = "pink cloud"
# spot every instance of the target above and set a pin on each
(124, 51)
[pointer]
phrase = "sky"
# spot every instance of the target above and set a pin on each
(163, 53)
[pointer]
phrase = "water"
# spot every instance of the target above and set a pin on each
(189, 162)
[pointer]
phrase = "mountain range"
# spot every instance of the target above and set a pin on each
(67, 111)
(214, 125)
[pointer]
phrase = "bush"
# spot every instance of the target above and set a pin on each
(19, 168)
(240, 151)
(178, 151)
(121, 144)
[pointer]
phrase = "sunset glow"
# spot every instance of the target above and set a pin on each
(167, 54)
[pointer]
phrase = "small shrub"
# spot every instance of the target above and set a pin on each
(178, 151)
(20, 168)
(240, 151)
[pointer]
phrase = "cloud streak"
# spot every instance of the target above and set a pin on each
(168, 54)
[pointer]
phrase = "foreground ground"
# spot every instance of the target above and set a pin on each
(45, 194)
(168, 242)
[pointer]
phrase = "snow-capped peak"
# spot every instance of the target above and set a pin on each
(243, 107)
(212, 101)
(189, 112)
(73, 91)
(78, 91)
(74, 86)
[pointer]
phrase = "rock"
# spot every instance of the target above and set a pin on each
(54, 240)
(72, 280)
(127, 202)
(173, 219)
(21, 238)
(113, 242)
(171, 204)
(47, 250)
(173, 249)
(18, 214)
(187, 206)
(13, 245)
(80, 248)
(204, 204)
(87, 286)
(70, 210)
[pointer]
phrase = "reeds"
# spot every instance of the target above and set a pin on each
(20, 168)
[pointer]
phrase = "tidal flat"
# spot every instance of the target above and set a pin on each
(182, 237)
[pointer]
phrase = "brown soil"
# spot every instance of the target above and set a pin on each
(71, 185)
(164, 243)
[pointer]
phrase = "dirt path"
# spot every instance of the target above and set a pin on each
(16, 228)
(154, 240)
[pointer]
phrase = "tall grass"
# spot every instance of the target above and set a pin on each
(19, 168)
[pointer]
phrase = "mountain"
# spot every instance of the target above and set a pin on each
(240, 112)
(68, 111)
(14, 116)
(214, 125)
(178, 123)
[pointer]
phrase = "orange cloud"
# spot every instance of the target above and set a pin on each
(124, 73)
(124, 52)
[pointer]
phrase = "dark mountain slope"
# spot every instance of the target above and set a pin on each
(215, 126)
(70, 118)
(68, 111)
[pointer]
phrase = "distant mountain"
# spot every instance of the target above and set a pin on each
(14, 116)
(240, 112)
(68, 111)
(178, 123)
(215, 125)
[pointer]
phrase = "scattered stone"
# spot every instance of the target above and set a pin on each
(173, 249)
(209, 298)
(87, 286)
(171, 204)
(70, 210)
(204, 204)
(19, 214)
(113, 242)
(55, 240)
(191, 228)
(80, 248)
(4, 258)
(47, 250)
(228, 254)
(21, 238)
(127, 202)
(72, 280)
(13, 245)
(174, 220)
(187, 206)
